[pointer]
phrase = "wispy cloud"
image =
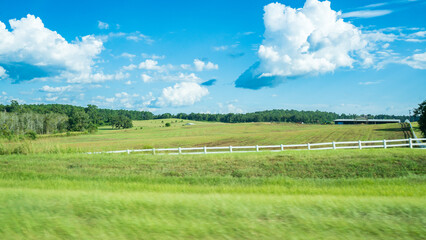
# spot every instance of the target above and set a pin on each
(370, 83)
(366, 13)
(103, 25)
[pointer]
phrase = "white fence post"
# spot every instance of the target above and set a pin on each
(368, 144)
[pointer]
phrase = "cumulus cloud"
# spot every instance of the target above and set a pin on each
(366, 13)
(3, 73)
(146, 77)
(181, 94)
(129, 67)
(31, 48)
(103, 25)
(149, 64)
(298, 42)
(201, 65)
(417, 61)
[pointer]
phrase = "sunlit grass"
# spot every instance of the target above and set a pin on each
(155, 134)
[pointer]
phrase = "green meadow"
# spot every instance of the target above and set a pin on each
(52, 191)
(153, 133)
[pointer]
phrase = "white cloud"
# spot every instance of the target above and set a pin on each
(122, 94)
(181, 94)
(180, 77)
(150, 64)
(201, 65)
(3, 73)
(31, 43)
(4, 93)
(369, 83)
(89, 77)
(121, 76)
(103, 25)
(146, 77)
(153, 56)
(220, 48)
(137, 36)
(185, 66)
(127, 55)
(366, 13)
(309, 40)
(129, 67)
(374, 5)
(51, 99)
(420, 34)
(417, 61)
(50, 89)
(233, 109)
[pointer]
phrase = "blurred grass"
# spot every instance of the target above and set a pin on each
(367, 194)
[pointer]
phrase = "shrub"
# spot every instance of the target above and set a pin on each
(167, 125)
(31, 135)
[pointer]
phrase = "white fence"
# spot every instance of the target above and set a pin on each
(410, 142)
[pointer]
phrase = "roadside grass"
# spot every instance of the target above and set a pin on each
(44, 214)
(154, 134)
(367, 194)
(416, 129)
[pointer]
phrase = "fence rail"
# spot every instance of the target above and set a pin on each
(410, 142)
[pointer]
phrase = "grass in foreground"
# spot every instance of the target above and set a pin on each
(368, 194)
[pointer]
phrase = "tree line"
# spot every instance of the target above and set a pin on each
(276, 115)
(21, 119)
(50, 118)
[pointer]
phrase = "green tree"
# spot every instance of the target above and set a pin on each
(421, 113)
(79, 120)
(92, 111)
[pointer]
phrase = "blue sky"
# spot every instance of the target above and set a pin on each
(216, 56)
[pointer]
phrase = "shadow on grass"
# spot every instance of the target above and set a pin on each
(389, 129)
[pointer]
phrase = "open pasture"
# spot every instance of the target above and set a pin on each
(54, 192)
(153, 133)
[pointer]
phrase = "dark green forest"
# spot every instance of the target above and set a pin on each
(18, 118)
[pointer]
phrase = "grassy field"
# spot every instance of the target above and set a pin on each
(152, 133)
(368, 194)
(48, 190)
